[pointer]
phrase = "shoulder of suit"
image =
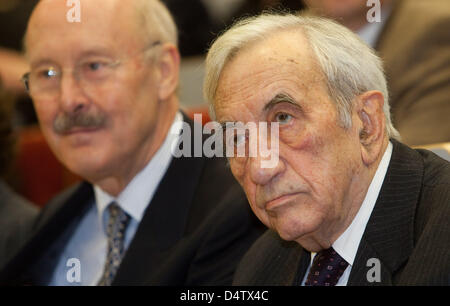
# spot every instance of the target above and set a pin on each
(218, 184)
(436, 169)
(267, 248)
(269, 261)
(15, 204)
(433, 208)
(60, 201)
(65, 195)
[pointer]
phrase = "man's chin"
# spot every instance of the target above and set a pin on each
(294, 231)
(289, 233)
(87, 167)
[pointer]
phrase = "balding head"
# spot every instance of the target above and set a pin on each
(150, 19)
(104, 88)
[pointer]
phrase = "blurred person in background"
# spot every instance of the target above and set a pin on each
(413, 39)
(195, 26)
(16, 213)
(199, 21)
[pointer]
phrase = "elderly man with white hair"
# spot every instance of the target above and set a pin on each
(347, 203)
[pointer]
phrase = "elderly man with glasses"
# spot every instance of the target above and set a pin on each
(104, 90)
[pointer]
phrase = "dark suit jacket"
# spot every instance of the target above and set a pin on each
(16, 219)
(194, 232)
(415, 47)
(408, 232)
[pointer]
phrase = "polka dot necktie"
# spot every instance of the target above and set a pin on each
(117, 224)
(326, 269)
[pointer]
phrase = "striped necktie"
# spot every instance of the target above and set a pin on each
(117, 224)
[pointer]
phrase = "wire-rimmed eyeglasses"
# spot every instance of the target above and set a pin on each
(47, 79)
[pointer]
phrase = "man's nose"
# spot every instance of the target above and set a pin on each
(264, 169)
(72, 96)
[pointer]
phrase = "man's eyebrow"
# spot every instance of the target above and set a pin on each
(281, 98)
(96, 52)
(42, 62)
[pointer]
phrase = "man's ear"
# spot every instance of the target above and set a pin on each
(168, 64)
(371, 125)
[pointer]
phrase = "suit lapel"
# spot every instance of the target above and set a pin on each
(389, 233)
(61, 210)
(362, 267)
(288, 257)
(164, 220)
(292, 269)
(303, 264)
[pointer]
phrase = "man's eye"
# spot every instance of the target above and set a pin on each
(94, 66)
(283, 118)
(47, 73)
(95, 70)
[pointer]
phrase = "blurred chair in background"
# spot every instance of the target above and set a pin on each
(40, 175)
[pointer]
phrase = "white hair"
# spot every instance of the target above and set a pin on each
(349, 65)
(156, 21)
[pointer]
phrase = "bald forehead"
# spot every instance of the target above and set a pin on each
(95, 15)
(90, 9)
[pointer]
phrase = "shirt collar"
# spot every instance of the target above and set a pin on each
(136, 196)
(347, 244)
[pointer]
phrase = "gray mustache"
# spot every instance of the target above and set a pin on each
(65, 122)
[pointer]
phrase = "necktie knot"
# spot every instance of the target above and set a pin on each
(117, 223)
(328, 266)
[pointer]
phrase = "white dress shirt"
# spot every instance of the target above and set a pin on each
(89, 242)
(347, 244)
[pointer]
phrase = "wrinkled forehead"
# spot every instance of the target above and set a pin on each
(94, 22)
(280, 62)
